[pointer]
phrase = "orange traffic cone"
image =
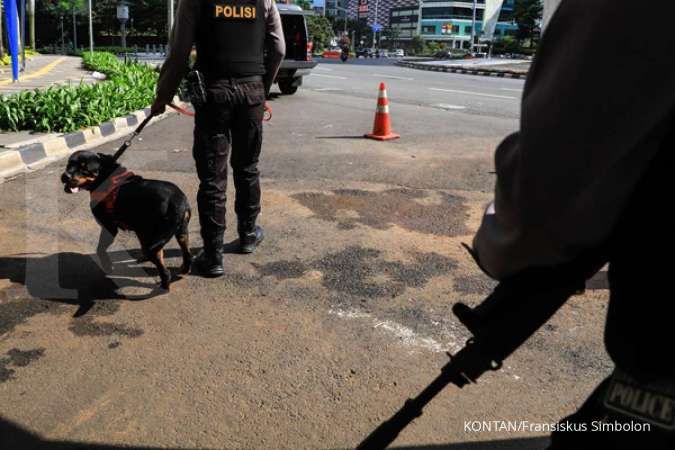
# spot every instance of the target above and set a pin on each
(382, 126)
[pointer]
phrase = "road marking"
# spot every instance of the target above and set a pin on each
(324, 69)
(393, 77)
(480, 94)
(37, 73)
(512, 90)
(404, 335)
(328, 89)
(329, 76)
(448, 107)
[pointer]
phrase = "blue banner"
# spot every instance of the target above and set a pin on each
(12, 25)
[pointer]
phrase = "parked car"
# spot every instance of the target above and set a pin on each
(398, 53)
(365, 52)
(298, 61)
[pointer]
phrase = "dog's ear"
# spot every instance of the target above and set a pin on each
(106, 161)
(93, 165)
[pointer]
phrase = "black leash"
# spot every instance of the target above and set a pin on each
(129, 141)
(123, 148)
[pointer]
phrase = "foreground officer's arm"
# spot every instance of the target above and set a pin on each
(177, 61)
(274, 43)
(596, 106)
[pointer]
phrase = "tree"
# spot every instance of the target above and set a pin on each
(417, 45)
(63, 8)
(392, 36)
(304, 4)
(2, 44)
(320, 31)
(527, 14)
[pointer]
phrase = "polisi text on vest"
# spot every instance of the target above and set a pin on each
(234, 12)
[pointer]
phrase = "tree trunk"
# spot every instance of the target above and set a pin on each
(31, 23)
(74, 30)
(2, 33)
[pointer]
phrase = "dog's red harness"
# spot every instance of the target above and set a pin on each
(106, 194)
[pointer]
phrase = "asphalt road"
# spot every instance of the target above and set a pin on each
(312, 341)
(484, 96)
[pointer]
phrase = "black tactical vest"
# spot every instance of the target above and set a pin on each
(231, 38)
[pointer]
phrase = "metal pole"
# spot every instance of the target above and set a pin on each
(74, 30)
(23, 35)
(419, 18)
(2, 43)
(375, 21)
(123, 29)
(31, 22)
(91, 31)
(170, 18)
(63, 39)
(473, 28)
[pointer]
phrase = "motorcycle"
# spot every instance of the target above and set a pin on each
(344, 56)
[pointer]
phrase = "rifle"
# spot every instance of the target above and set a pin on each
(512, 313)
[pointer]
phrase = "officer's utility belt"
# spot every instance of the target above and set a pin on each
(652, 402)
(236, 80)
(197, 86)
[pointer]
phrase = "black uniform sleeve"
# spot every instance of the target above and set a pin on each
(274, 43)
(177, 61)
(595, 110)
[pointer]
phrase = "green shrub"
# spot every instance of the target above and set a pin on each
(6, 59)
(67, 108)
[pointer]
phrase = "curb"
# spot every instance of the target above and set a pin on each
(33, 154)
(457, 69)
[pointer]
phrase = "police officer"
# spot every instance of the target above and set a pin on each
(240, 45)
(591, 170)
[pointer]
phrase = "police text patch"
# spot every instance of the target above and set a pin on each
(234, 12)
(653, 404)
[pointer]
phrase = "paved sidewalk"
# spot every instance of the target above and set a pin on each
(43, 71)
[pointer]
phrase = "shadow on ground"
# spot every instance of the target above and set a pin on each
(12, 436)
(536, 443)
(77, 279)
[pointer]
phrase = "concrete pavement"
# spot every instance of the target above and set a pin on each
(312, 341)
(43, 71)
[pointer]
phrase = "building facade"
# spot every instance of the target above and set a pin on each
(405, 21)
(447, 21)
(337, 8)
(451, 21)
(377, 11)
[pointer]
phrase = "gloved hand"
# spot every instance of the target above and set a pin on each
(268, 112)
(158, 107)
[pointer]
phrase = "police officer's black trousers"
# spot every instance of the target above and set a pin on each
(231, 119)
(639, 331)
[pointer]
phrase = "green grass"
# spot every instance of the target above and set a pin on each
(67, 108)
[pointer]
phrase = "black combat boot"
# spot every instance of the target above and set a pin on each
(209, 262)
(250, 236)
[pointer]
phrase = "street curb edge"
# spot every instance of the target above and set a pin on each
(31, 155)
(457, 69)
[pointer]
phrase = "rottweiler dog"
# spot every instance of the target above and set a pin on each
(155, 210)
